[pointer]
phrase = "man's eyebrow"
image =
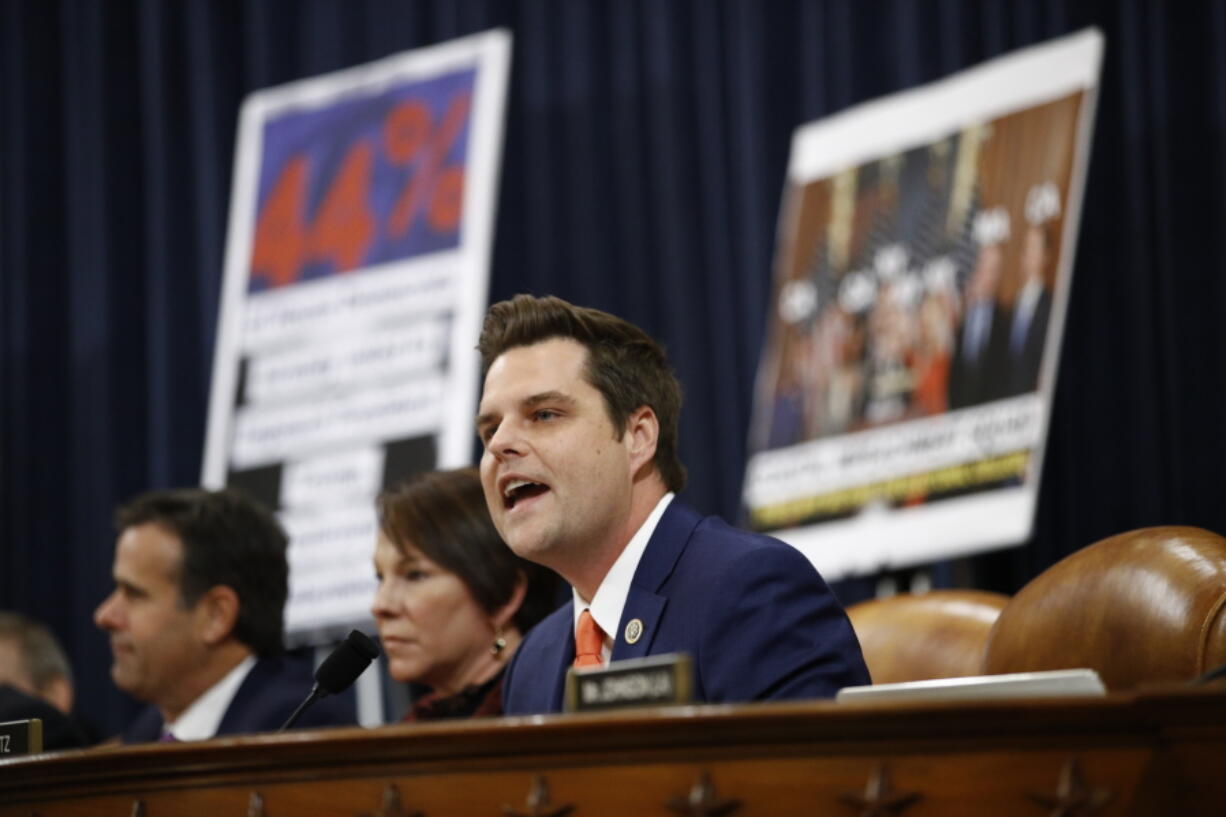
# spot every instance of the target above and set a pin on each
(484, 420)
(129, 588)
(548, 397)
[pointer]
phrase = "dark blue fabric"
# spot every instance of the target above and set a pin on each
(752, 613)
(645, 152)
(60, 731)
(264, 701)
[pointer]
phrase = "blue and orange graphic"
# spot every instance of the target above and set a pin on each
(364, 181)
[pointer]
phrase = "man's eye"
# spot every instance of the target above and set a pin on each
(545, 414)
(416, 575)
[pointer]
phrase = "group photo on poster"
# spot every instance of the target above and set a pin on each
(911, 321)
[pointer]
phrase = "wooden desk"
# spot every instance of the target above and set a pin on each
(1156, 753)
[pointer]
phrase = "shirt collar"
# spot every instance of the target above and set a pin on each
(201, 719)
(606, 605)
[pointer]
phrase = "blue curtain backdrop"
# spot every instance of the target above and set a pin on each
(644, 162)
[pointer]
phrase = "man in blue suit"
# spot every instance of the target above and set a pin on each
(196, 619)
(578, 417)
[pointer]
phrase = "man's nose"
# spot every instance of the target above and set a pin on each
(104, 615)
(506, 440)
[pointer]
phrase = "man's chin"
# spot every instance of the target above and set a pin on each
(126, 683)
(528, 545)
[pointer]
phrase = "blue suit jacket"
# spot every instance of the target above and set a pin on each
(751, 611)
(267, 697)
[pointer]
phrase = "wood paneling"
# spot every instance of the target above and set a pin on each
(1151, 753)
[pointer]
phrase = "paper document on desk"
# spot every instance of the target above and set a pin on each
(1069, 683)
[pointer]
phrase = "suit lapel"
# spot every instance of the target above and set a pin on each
(565, 655)
(645, 608)
(235, 717)
(644, 603)
(147, 727)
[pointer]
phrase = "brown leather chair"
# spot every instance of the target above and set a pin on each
(939, 634)
(1144, 606)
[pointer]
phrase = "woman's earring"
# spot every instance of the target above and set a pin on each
(499, 644)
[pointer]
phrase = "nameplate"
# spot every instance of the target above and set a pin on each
(21, 737)
(653, 681)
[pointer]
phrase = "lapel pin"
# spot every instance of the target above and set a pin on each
(634, 631)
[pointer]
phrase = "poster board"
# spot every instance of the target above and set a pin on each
(356, 278)
(921, 278)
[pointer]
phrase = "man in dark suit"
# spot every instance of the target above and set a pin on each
(36, 682)
(979, 370)
(1031, 312)
(579, 421)
(60, 731)
(196, 619)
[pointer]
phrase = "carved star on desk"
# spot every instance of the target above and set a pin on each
(392, 806)
(255, 805)
(538, 803)
(138, 808)
(879, 798)
(702, 801)
(1073, 798)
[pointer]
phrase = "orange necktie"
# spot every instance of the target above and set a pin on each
(589, 639)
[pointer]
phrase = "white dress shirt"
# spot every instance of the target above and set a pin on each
(201, 719)
(1023, 314)
(606, 606)
(977, 331)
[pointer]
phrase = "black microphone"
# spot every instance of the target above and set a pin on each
(340, 669)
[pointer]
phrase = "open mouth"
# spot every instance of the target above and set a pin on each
(517, 490)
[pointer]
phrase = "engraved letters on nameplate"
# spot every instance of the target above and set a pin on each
(652, 681)
(21, 737)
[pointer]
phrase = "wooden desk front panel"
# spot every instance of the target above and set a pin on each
(1123, 756)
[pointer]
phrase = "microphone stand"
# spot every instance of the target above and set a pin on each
(316, 694)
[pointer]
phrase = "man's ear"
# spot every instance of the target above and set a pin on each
(642, 434)
(216, 614)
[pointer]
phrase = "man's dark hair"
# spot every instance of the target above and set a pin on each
(443, 514)
(624, 364)
(43, 660)
(227, 540)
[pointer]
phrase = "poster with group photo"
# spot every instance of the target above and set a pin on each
(357, 267)
(921, 275)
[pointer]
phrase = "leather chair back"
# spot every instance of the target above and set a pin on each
(939, 634)
(1144, 606)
